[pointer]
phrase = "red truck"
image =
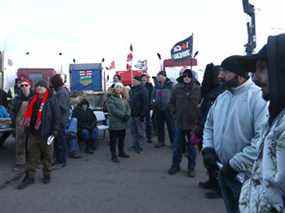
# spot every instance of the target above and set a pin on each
(35, 74)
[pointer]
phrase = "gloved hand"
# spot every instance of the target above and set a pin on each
(126, 118)
(210, 157)
(228, 171)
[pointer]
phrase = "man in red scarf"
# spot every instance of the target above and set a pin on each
(41, 120)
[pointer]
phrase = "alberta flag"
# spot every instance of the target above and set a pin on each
(86, 77)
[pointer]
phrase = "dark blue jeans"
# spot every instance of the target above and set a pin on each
(148, 125)
(60, 147)
(230, 190)
(179, 143)
(89, 136)
(165, 116)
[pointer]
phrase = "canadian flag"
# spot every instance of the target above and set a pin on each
(112, 65)
(130, 59)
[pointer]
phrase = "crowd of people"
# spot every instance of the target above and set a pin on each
(235, 118)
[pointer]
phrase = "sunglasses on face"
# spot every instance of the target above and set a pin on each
(189, 76)
(24, 85)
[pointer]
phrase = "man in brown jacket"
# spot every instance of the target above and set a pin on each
(184, 104)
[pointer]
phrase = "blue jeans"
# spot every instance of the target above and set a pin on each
(73, 144)
(89, 136)
(60, 147)
(177, 146)
(230, 190)
(137, 132)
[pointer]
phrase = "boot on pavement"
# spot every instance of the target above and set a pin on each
(26, 182)
(124, 155)
(173, 170)
(213, 195)
(209, 184)
(159, 145)
(46, 179)
(115, 159)
(88, 149)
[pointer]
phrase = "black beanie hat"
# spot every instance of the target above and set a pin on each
(234, 64)
(42, 83)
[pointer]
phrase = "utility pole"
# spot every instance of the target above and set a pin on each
(251, 30)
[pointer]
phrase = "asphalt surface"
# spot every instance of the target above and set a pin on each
(95, 184)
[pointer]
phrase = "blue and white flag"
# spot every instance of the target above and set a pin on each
(183, 49)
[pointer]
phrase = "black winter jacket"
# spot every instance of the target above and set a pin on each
(138, 101)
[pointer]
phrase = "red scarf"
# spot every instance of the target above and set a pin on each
(29, 112)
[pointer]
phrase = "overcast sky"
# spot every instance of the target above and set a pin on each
(90, 29)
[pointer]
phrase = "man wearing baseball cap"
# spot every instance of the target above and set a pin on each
(265, 190)
(232, 127)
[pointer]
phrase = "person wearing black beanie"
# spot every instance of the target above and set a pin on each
(233, 123)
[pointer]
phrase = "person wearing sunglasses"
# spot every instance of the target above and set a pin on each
(20, 104)
(184, 103)
(42, 121)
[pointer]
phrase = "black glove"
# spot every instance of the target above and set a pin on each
(126, 118)
(210, 157)
(228, 171)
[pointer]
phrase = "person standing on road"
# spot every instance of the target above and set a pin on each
(184, 103)
(264, 192)
(232, 129)
(212, 87)
(119, 112)
(20, 104)
(42, 119)
(62, 96)
(162, 94)
(148, 122)
(139, 105)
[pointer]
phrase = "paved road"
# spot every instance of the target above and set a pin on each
(94, 184)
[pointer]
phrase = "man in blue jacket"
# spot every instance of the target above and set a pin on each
(162, 93)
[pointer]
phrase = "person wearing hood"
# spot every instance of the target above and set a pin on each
(20, 104)
(162, 94)
(184, 103)
(62, 96)
(87, 125)
(264, 192)
(232, 129)
(139, 104)
(194, 74)
(42, 120)
(212, 87)
(119, 112)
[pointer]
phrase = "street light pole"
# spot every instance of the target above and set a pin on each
(251, 30)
